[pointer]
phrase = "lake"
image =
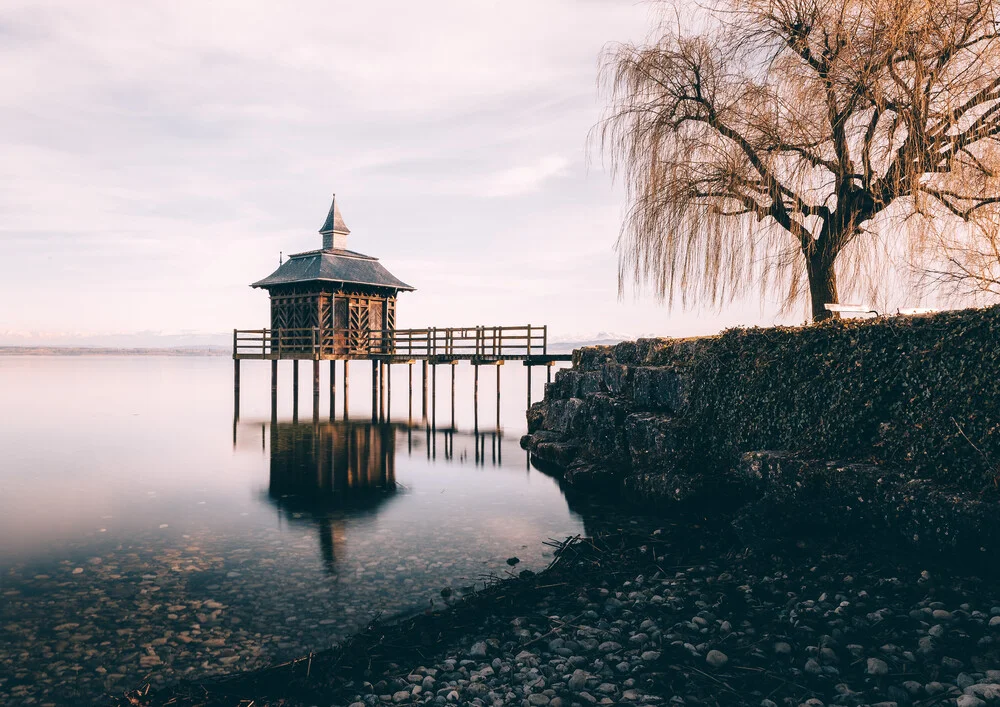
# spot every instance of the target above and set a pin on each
(146, 533)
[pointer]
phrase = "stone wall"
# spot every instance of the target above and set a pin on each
(893, 421)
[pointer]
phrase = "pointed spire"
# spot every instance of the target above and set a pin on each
(334, 221)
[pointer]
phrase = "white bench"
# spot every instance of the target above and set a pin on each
(850, 309)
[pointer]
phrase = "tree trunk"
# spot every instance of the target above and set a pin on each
(822, 284)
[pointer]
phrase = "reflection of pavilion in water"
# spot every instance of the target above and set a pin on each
(325, 473)
(332, 473)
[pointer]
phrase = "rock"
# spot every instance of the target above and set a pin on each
(478, 650)
(877, 667)
(401, 696)
(716, 659)
(952, 664)
(995, 622)
(970, 701)
(578, 680)
(538, 700)
(984, 691)
(782, 648)
(650, 656)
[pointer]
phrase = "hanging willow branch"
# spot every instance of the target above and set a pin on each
(794, 139)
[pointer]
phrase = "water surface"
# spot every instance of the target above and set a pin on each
(144, 532)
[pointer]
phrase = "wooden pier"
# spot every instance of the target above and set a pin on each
(480, 346)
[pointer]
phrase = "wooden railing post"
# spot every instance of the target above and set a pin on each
(315, 351)
(529, 341)
(545, 339)
(235, 343)
(263, 339)
(279, 339)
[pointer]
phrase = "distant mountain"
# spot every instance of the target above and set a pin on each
(117, 341)
(601, 338)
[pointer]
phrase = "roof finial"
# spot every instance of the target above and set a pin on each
(334, 230)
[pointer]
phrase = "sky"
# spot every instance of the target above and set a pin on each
(156, 157)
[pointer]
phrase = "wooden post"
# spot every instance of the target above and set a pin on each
(434, 397)
(548, 372)
(388, 391)
(410, 372)
(529, 386)
(333, 389)
(423, 397)
(347, 384)
(295, 390)
(236, 388)
(374, 390)
(453, 366)
(499, 363)
(274, 390)
(315, 389)
(475, 398)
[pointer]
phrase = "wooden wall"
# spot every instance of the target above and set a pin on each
(344, 318)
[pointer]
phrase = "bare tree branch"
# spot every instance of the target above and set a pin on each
(787, 126)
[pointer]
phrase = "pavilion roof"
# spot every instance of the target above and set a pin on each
(344, 266)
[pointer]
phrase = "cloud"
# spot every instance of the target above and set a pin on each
(525, 179)
(155, 157)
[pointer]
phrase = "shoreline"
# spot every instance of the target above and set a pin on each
(648, 610)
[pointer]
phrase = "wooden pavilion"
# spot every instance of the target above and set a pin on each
(332, 301)
(335, 304)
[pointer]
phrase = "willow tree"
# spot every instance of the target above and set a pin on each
(787, 140)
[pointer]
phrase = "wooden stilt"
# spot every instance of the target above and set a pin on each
(315, 390)
(236, 388)
(423, 397)
(347, 384)
(529, 387)
(409, 415)
(295, 390)
(475, 398)
(548, 373)
(498, 393)
(375, 391)
(274, 390)
(333, 390)
(381, 391)
(388, 391)
(434, 397)
(453, 364)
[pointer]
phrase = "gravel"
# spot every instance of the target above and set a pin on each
(648, 617)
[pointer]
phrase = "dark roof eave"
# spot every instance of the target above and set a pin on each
(402, 287)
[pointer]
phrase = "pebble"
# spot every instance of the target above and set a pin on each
(716, 659)
(877, 667)
(478, 650)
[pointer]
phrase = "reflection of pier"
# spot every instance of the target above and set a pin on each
(330, 475)
(327, 472)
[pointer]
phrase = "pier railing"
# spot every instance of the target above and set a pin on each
(455, 343)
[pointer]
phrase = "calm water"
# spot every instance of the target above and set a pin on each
(144, 532)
